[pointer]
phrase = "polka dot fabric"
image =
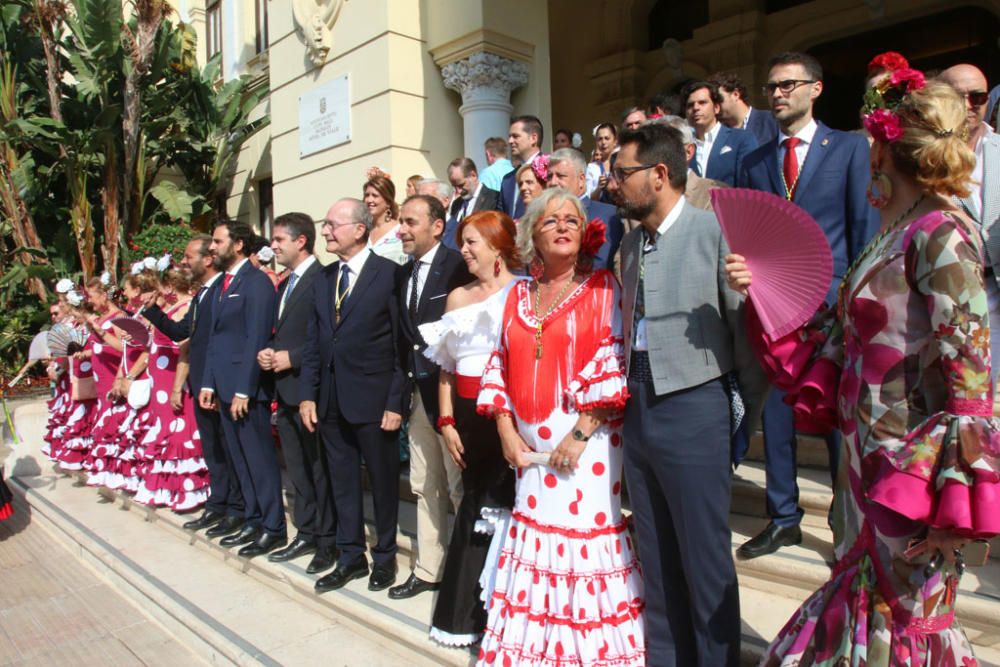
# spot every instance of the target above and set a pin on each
(567, 588)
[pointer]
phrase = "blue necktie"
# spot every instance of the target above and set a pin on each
(292, 279)
(344, 284)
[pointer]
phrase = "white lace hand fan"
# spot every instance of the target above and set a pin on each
(62, 336)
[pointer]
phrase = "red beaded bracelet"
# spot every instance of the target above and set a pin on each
(445, 421)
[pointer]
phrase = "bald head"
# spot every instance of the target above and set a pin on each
(968, 79)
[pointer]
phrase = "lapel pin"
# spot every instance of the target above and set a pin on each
(824, 142)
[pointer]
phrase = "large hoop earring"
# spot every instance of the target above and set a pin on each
(879, 189)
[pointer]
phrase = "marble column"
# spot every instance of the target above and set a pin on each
(485, 81)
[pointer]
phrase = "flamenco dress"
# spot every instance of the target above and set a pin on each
(76, 435)
(904, 371)
(461, 342)
(60, 407)
(109, 411)
(174, 470)
(565, 587)
(114, 458)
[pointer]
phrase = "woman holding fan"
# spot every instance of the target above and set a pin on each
(901, 364)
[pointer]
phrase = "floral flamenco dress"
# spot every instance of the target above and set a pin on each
(76, 434)
(174, 473)
(114, 459)
(905, 373)
(565, 586)
(60, 406)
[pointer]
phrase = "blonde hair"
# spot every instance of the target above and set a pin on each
(528, 226)
(933, 149)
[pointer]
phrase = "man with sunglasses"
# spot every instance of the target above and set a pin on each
(826, 173)
(983, 202)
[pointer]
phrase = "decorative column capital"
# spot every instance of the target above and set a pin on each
(484, 74)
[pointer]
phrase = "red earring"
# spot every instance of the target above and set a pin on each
(496, 267)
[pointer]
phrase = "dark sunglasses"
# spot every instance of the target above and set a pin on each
(977, 98)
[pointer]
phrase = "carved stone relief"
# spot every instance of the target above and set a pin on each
(314, 20)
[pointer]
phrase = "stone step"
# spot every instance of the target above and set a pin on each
(224, 608)
(749, 487)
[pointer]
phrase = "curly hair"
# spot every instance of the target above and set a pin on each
(528, 226)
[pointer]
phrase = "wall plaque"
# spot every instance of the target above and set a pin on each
(325, 116)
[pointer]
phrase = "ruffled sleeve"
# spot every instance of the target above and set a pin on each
(441, 340)
(806, 364)
(946, 472)
(602, 383)
(493, 398)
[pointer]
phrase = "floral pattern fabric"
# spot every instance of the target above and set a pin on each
(904, 371)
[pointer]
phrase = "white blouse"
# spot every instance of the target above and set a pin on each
(390, 246)
(462, 341)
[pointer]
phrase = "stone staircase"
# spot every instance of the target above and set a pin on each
(108, 529)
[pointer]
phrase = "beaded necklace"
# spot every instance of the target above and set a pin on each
(868, 250)
(552, 306)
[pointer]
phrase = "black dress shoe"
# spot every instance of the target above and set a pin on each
(207, 519)
(298, 547)
(413, 586)
(247, 535)
(325, 558)
(228, 526)
(383, 576)
(266, 543)
(770, 540)
(343, 574)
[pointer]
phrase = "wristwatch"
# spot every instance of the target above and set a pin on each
(578, 435)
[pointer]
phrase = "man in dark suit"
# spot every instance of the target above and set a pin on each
(719, 150)
(470, 196)
(826, 173)
(735, 110)
(242, 320)
(353, 388)
(315, 518)
(224, 509)
(435, 479)
(568, 169)
(525, 139)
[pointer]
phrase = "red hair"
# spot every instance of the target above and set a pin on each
(498, 230)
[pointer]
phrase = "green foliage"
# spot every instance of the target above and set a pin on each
(156, 240)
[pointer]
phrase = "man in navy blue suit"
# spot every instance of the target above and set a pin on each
(568, 169)
(353, 389)
(224, 510)
(826, 173)
(720, 150)
(525, 139)
(735, 110)
(242, 321)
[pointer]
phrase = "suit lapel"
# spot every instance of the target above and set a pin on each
(720, 141)
(304, 283)
(771, 165)
(434, 274)
(369, 272)
(818, 150)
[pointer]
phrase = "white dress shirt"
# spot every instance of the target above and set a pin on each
(299, 271)
(976, 180)
(704, 147)
(468, 203)
(641, 344)
(208, 285)
(354, 266)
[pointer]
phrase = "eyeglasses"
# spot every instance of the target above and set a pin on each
(333, 225)
(571, 222)
(619, 174)
(786, 86)
(977, 98)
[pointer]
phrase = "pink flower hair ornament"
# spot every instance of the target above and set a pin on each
(882, 101)
(540, 165)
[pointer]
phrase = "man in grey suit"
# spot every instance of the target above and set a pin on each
(683, 337)
(983, 202)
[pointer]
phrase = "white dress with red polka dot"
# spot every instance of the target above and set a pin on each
(565, 588)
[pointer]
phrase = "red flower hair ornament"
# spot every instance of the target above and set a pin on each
(890, 61)
(593, 237)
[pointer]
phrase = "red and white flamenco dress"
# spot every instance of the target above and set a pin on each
(174, 474)
(60, 406)
(76, 435)
(563, 586)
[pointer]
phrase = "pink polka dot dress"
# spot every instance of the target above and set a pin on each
(60, 406)
(565, 587)
(76, 434)
(174, 473)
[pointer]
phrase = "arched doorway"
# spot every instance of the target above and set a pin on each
(931, 43)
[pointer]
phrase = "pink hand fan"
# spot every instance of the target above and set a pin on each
(134, 328)
(786, 251)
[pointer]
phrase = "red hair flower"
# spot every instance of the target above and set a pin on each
(890, 61)
(909, 79)
(593, 237)
(883, 125)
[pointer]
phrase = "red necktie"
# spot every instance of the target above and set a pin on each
(228, 278)
(791, 166)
